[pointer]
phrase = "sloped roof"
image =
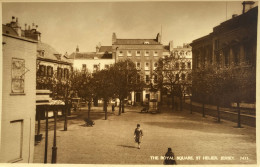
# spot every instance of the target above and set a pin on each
(89, 55)
(105, 49)
(136, 42)
(50, 53)
(8, 30)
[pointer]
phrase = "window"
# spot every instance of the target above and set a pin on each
(189, 77)
(183, 77)
(147, 66)
(177, 65)
(155, 79)
(147, 79)
(216, 44)
(129, 53)
(248, 50)
(138, 65)
(120, 53)
(226, 57)
(236, 55)
(177, 77)
(155, 53)
(183, 65)
(95, 67)
(66, 73)
(49, 71)
(42, 70)
(138, 53)
(84, 67)
(189, 65)
(146, 53)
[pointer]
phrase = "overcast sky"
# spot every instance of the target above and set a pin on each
(66, 25)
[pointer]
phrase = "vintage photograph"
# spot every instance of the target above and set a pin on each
(129, 83)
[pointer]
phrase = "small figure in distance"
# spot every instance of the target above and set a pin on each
(169, 158)
(89, 122)
(138, 134)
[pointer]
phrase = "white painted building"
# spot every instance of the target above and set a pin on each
(92, 61)
(17, 114)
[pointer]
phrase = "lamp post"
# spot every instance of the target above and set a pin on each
(46, 135)
(54, 148)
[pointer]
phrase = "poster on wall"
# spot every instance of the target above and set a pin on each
(18, 70)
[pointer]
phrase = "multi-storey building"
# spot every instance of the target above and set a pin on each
(145, 53)
(18, 92)
(232, 44)
(92, 61)
(183, 65)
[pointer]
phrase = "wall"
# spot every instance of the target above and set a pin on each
(77, 64)
(18, 111)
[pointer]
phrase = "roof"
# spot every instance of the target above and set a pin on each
(89, 55)
(136, 42)
(8, 30)
(50, 53)
(105, 49)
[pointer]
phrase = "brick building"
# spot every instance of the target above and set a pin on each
(145, 53)
(232, 44)
(17, 114)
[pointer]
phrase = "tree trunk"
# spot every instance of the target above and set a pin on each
(218, 112)
(66, 108)
(89, 107)
(173, 103)
(238, 115)
(119, 112)
(123, 107)
(190, 104)
(105, 108)
(181, 103)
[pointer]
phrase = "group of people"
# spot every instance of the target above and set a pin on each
(169, 156)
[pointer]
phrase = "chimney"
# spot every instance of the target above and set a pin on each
(158, 38)
(234, 15)
(247, 5)
(25, 26)
(77, 49)
(171, 46)
(13, 19)
(36, 27)
(97, 49)
(33, 27)
(114, 38)
(29, 27)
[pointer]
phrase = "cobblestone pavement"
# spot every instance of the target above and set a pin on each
(189, 135)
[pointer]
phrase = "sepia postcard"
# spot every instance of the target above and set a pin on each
(129, 83)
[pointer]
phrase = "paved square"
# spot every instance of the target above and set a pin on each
(193, 139)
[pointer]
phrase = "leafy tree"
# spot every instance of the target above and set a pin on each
(103, 87)
(170, 72)
(126, 78)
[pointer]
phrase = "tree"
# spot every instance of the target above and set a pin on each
(126, 78)
(171, 73)
(103, 86)
(83, 86)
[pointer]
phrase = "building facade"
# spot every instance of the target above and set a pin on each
(232, 44)
(92, 61)
(18, 95)
(145, 53)
(183, 65)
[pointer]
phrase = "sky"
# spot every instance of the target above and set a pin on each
(66, 25)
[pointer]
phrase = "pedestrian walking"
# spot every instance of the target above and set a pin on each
(138, 134)
(113, 108)
(169, 158)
